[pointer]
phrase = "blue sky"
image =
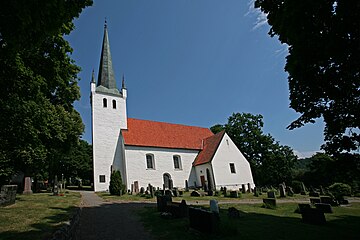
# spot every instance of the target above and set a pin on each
(192, 62)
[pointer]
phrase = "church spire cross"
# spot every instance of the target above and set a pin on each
(106, 76)
(93, 76)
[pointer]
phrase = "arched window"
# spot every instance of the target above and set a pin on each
(177, 162)
(150, 163)
(114, 104)
(104, 102)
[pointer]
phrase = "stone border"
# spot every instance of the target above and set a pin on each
(69, 230)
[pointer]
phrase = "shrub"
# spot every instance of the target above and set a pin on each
(116, 186)
(339, 190)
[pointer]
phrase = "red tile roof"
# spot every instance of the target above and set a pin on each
(211, 144)
(166, 135)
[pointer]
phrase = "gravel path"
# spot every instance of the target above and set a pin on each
(105, 221)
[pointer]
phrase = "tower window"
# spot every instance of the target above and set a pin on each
(114, 104)
(104, 102)
(232, 168)
(177, 162)
(102, 178)
(150, 164)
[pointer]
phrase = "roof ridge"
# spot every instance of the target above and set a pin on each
(178, 124)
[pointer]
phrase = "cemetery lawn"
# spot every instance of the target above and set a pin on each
(257, 223)
(36, 216)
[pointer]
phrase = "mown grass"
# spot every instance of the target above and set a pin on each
(36, 216)
(256, 222)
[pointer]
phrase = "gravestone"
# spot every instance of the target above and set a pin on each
(195, 194)
(301, 207)
(249, 188)
(269, 202)
(210, 193)
(142, 190)
(162, 202)
(214, 206)
(171, 184)
(27, 186)
(314, 194)
(8, 195)
(151, 190)
(233, 213)
(313, 216)
(303, 189)
(175, 192)
(169, 193)
(205, 188)
(136, 187)
(289, 191)
(202, 220)
(328, 200)
(225, 192)
(243, 190)
(234, 194)
(282, 190)
(315, 200)
(325, 208)
(271, 194)
(186, 186)
(132, 188)
(256, 194)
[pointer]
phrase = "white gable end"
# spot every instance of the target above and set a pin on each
(226, 154)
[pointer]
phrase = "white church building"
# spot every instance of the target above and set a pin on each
(156, 152)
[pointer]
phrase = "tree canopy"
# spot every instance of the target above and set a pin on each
(271, 163)
(38, 123)
(323, 64)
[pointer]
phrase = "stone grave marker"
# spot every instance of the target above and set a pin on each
(256, 194)
(27, 186)
(325, 208)
(328, 200)
(142, 190)
(243, 190)
(269, 202)
(214, 206)
(224, 191)
(8, 195)
(186, 186)
(195, 194)
(271, 194)
(234, 194)
(289, 191)
(132, 188)
(282, 191)
(313, 216)
(249, 188)
(56, 187)
(202, 220)
(301, 207)
(136, 187)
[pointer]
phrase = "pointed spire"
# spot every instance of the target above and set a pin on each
(123, 82)
(106, 76)
(93, 76)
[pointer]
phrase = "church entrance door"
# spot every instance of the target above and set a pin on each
(202, 180)
(167, 180)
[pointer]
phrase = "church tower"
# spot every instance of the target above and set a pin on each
(108, 108)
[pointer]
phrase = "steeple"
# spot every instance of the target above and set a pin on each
(106, 76)
(123, 82)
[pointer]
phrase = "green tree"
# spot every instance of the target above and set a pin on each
(39, 84)
(271, 163)
(323, 64)
(116, 186)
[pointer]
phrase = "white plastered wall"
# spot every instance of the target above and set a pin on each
(136, 165)
(106, 125)
(227, 153)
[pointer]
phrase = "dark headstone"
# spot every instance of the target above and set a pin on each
(210, 193)
(142, 190)
(8, 195)
(171, 184)
(234, 194)
(136, 187)
(328, 200)
(162, 202)
(243, 190)
(271, 194)
(315, 200)
(205, 188)
(56, 186)
(224, 191)
(132, 188)
(256, 194)
(175, 192)
(186, 186)
(169, 193)
(269, 203)
(289, 191)
(202, 220)
(195, 194)
(301, 207)
(313, 216)
(233, 213)
(314, 194)
(325, 208)
(249, 188)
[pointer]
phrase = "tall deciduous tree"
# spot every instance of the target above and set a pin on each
(38, 83)
(271, 163)
(323, 64)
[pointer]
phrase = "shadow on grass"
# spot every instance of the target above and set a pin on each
(254, 226)
(42, 230)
